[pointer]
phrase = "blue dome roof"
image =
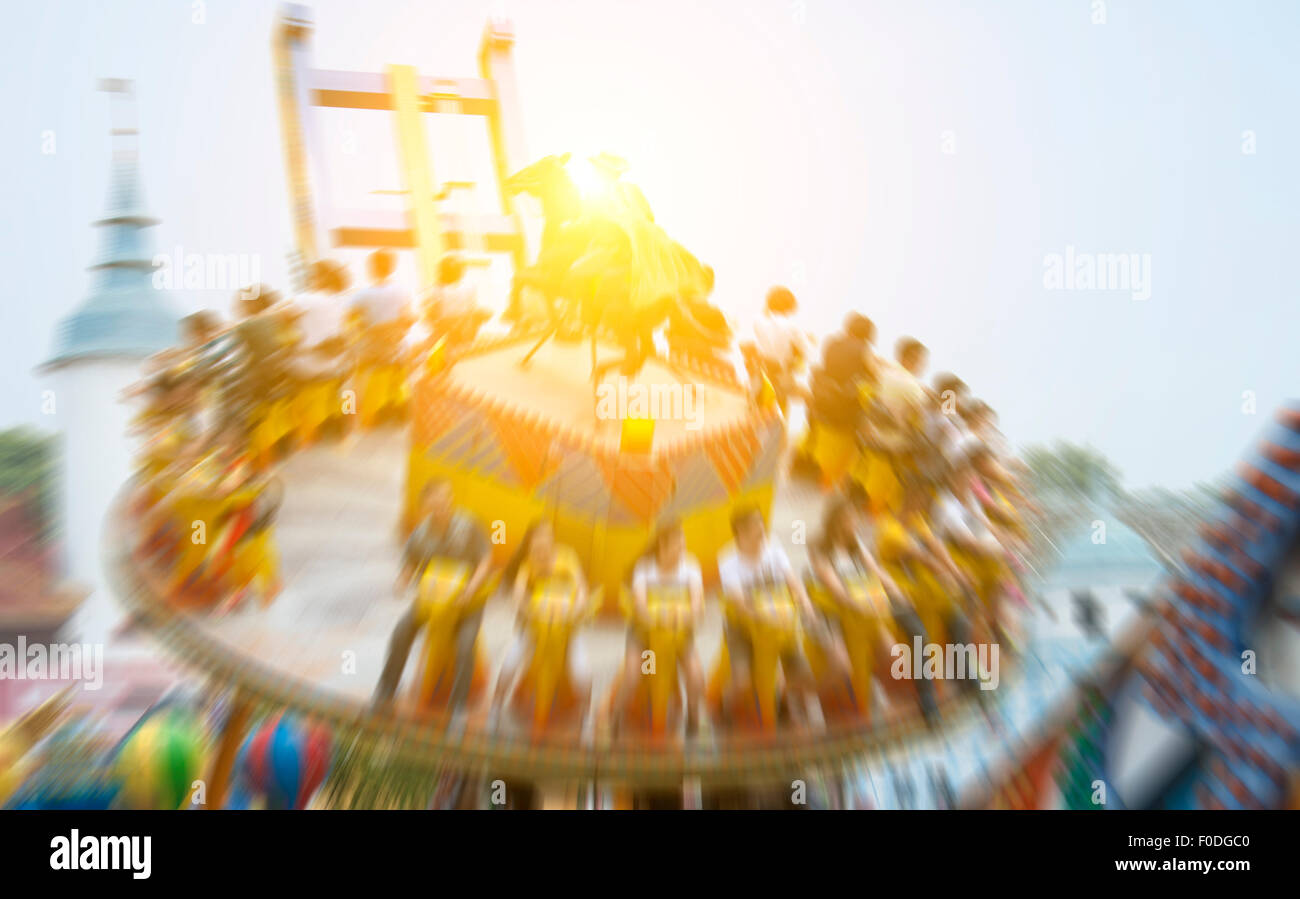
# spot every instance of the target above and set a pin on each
(1124, 558)
(124, 316)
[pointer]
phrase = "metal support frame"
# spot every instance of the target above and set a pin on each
(404, 92)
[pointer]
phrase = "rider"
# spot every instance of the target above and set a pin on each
(540, 560)
(178, 387)
(379, 318)
(450, 309)
(443, 533)
(383, 302)
(840, 556)
(250, 358)
(666, 564)
(897, 422)
(945, 426)
(321, 306)
(753, 560)
(972, 539)
(317, 363)
(938, 594)
(782, 346)
(848, 366)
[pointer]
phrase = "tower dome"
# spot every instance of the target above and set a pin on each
(124, 316)
(98, 349)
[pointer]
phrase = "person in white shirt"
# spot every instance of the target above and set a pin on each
(321, 306)
(383, 302)
(781, 346)
(960, 520)
(380, 320)
(756, 560)
(981, 421)
(454, 295)
(945, 426)
(665, 565)
(451, 309)
(669, 565)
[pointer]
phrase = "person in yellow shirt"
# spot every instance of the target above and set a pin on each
(973, 540)
(937, 588)
(840, 389)
(939, 592)
(896, 426)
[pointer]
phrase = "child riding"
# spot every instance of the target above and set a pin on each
(665, 566)
(845, 567)
(546, 581)
(756, 562)
(444, 533)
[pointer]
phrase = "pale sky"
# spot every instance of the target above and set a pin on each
(913, 160)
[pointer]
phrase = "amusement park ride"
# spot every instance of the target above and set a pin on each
(423, 228)
(520, 443)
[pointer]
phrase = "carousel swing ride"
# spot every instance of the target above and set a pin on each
(512, 422)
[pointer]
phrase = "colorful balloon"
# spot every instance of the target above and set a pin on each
(159, 762)
(286, 760)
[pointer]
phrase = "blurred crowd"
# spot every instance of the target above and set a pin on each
(928, 508)
(922, 535)
(236, 395)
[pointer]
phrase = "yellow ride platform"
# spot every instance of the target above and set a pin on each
(607, 464)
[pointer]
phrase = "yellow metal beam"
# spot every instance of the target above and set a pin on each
(292, 110)
(417, 170)
(505, 121)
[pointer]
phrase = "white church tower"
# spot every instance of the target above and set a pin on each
(97, 353)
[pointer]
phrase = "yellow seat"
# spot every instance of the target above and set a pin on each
(773, 632)
(383, 387)
(874, 470)
(546, 688)
(313, 405)
(861, 623)
(442, 609)
(832, 450)
(273, 421)
(987, 571)
(666, 629)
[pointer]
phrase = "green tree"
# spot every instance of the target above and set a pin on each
(1073, 469)
(28, 468)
